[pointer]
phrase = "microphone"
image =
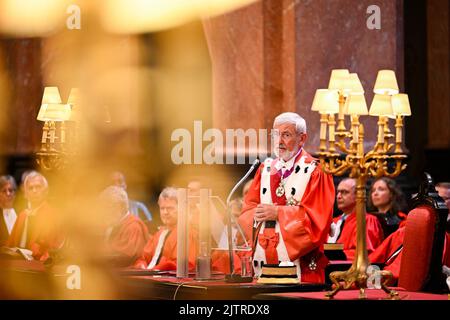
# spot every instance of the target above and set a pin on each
(232, 277)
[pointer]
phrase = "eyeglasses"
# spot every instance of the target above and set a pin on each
(284, 135)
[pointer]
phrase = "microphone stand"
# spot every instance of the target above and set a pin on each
(232, 277)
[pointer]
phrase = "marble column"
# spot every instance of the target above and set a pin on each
(438, 61)
(271, 56)
(22, 71)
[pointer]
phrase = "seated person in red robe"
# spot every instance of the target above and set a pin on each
(37, 228)
(8, 215)
(386, 201)
(443, 189)
(389, 253)
(220, 258)
(126, 235)
(343, 227)
(160, 252)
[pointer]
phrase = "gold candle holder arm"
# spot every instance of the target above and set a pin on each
(331, 133)
(398, 134)
(341, 117)
(399, 167)
(323, 132)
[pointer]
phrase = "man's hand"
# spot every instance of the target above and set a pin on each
(266, 212)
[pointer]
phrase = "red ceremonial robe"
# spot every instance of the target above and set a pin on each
(168, 257)
(44, 235)
(220, 261)
(129, 238)
(374, 235)
(304, 227)
(384, 253)
(446, 258)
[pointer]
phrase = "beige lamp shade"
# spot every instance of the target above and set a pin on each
(386, 83)
(74, 96)
(54, 112)
(354, 86)
(326, 101)
(400, 104)
(74, 102)
(355, 104)
(74, 113)
(51, 95)
(338, 79)
(381, 105)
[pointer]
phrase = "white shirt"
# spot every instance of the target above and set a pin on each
(336, 229)
(10, 216)
(158, 250)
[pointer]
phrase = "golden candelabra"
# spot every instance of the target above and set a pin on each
(58, 133)
(53, 154)
(345, 96)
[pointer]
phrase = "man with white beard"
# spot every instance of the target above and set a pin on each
(289, 205)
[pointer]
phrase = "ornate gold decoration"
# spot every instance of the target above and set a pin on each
(361, 165)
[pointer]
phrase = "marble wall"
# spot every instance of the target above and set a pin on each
(21, 95)
(271, 56)
(438, 76)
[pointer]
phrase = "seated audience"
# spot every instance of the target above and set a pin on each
(386, 201)
(160, 252)
(220, 257)
(443, 189)
(8, 218)
(37, 228)
(126, 235)
(193, 189)
(343, 227)
(389, 253)
(236, 208)
(136, 208)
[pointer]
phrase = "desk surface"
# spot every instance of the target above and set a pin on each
(38, 282)
(172, 288)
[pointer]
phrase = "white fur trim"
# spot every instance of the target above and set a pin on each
(266, 198)
(299, 179)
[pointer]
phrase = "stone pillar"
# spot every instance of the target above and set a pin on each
(22, 70)
(438, 61)
(271, 56)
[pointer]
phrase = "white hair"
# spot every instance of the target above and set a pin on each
(34, 174)
(291, 117)
(116, 195)
(168, 193)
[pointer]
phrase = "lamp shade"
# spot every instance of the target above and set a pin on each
(338, 79)
(381, 105)
(386, 83)
(54, 112)
(74, 102)
(51, 95)
(74, 96)
(354, 86)
(355, 104)
(400, 104)
(326, 101)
